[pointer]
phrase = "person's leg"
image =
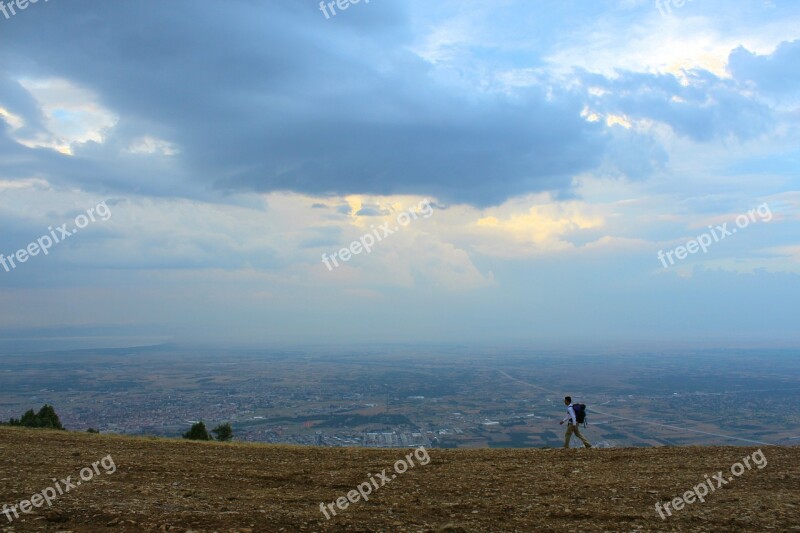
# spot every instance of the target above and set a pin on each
(568, 436)
(583, 439)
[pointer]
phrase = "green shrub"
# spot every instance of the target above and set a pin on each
(197, 432)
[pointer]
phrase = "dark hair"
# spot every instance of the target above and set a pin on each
(568, 399)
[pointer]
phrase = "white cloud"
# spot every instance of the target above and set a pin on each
(73, 114)
(149, 145)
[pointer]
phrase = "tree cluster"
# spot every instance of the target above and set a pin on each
(198, 431)
(45, 418)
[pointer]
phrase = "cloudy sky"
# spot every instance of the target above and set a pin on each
(529, 160)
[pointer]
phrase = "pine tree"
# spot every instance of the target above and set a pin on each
(224, 432)
(197, 432)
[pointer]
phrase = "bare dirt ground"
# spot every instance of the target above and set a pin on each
(173, 485)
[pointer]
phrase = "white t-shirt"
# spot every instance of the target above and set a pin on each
(571, 416)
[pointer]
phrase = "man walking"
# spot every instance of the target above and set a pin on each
(573, 424)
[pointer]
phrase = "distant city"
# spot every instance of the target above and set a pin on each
(402, 396)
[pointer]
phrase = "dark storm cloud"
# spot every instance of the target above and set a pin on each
(273, 96)
(635, 155)
(18, 101)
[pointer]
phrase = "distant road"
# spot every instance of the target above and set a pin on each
(512, 378)
(648, 422)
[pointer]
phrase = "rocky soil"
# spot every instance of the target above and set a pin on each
(173, 485)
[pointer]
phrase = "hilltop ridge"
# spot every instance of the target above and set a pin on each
(173, 485)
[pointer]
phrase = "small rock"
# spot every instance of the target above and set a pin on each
(55, 516)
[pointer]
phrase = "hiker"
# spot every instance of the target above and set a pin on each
(573, 422)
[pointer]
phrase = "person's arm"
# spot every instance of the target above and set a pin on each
(571, 412)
